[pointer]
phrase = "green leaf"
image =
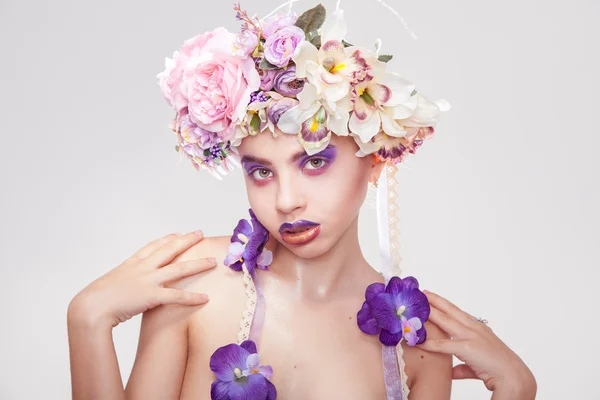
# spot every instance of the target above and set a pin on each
(264, 64)
(346, 44)
(413, 92)
(385, 57)
(206, 152)
(258, 50)
(312, 19)
(176, 147)
(316, 41)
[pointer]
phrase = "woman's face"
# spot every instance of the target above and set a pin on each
(322, 194)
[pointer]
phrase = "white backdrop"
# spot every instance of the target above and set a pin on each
(499, 209)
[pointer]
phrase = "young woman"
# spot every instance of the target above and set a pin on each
(312, 305)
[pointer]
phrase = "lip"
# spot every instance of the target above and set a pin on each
(300, 232)
(297, 226)
(301, 238)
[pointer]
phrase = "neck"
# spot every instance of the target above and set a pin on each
(326, 276)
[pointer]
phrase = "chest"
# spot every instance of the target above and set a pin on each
(315, 352)
(320, 354)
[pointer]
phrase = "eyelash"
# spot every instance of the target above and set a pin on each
(261, 180)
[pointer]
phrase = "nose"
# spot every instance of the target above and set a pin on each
(290, 197)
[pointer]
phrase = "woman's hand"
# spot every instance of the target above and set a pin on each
(484, 355)
(138, 284)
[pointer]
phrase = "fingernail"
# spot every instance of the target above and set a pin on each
(199, 233)
(204, 297)
(179, 234)
(212, 260)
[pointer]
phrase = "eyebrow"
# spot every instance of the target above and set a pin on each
(267, 163)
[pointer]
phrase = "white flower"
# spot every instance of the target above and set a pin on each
(313, 121)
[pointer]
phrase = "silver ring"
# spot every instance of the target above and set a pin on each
(484, 321)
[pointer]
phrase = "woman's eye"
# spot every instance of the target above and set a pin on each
(315, 163)
(261, 173)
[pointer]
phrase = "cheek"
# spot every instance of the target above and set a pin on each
(345, 189)
(262, 202)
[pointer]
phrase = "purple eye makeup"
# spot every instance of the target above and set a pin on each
(259, 170)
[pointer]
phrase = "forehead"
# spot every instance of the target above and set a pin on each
(264, 145)
(285, 146)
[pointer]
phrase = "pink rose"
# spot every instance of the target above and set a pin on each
(168, 78)
(208, 80)
(280, 47)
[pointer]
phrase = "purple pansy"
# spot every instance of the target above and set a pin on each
(248, 246)
(395, 311)
(240, 375)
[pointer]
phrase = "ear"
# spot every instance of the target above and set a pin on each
(376, 168)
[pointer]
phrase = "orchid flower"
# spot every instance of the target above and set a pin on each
(395, 311)
(333, 68)
(240, 375)
(418, 126)
(247, 246)
(313, 120)
(380, 99)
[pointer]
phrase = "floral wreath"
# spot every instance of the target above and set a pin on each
(297, 74)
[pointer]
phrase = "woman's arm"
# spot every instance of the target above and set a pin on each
(432, 371)
(161, 357)
(136, 286)
(159, 366)
(94, 368)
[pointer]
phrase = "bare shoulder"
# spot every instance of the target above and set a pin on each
(425, 369)
(225, 287)
(221, 284)
(164, 345)
(214, 281)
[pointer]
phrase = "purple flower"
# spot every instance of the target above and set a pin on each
(193, 134)
(258, 96)
(240, 375)
(278, 21)
(266, 76)
(277, 107)
(248, 246)
(287, 84)
(280, 47)
(395, 311)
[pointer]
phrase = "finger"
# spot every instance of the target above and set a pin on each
(463, 371)
(448, 324)
(183, 269)
(167, 252)
(449, 308)
(182, 297)
(444, 346)
(152, 246)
